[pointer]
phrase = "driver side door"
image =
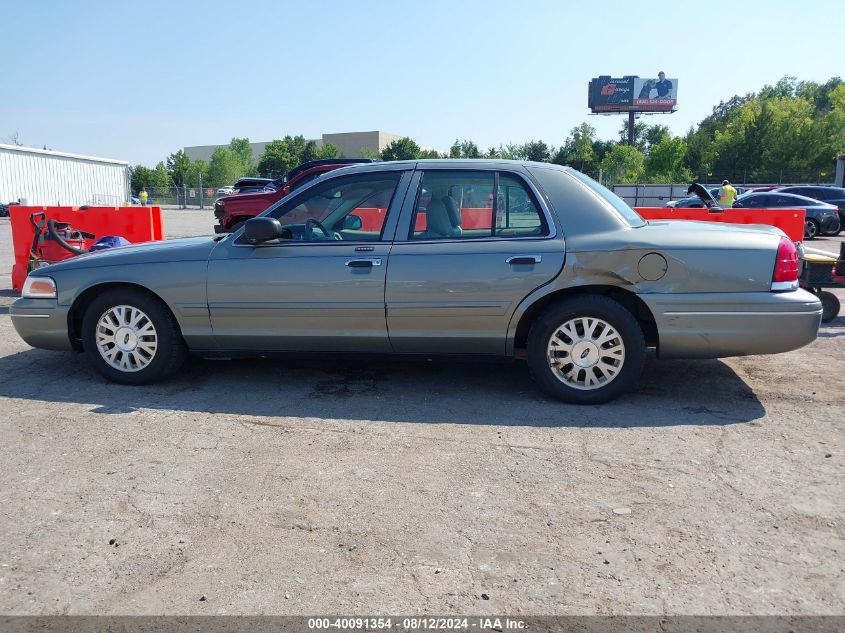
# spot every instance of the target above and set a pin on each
(323, 290)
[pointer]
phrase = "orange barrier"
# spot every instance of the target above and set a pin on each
(790, 221)
(136, 224)
(372, 218)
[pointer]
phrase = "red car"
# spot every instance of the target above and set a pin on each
(232, 211)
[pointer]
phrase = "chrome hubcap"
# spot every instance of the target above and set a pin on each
(586, 353)
(811, 229)
(126, 338)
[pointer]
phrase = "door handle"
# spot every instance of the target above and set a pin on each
(518, 260)
(364, 263)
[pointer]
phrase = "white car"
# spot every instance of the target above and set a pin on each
(228, 190)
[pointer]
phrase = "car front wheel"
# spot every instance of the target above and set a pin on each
(131, 338)
(586, 350)
(811, 229)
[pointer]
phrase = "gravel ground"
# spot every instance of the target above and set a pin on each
(302, 488)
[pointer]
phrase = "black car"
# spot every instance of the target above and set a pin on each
(821, 218)
(831, 195)
(250, 184)
(694, 202)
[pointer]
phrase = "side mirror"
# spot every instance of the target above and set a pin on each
(352, 223)
(263, 229)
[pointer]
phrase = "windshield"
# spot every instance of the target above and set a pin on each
(615, 202)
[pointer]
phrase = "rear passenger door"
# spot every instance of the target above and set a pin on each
(470, 245)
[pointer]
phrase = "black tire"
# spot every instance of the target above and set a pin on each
(236, 226)
(812, 229)
(170, 352)
(830, 305)
(838, 229)
(592, 306)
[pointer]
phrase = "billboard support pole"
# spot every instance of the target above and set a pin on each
(631, 120)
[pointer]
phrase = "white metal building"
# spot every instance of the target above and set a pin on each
(44, 177)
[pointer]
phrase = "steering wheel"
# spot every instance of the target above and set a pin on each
(311, 224)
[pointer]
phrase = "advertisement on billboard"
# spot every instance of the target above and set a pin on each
(631, 93)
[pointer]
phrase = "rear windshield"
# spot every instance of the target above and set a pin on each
(615, 202)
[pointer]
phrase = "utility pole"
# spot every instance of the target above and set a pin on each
(631, 120)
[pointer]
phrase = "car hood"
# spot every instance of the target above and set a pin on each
(184, 249)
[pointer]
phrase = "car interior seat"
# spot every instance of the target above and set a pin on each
(443, 216)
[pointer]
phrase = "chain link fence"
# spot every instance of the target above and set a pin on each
(183, 197)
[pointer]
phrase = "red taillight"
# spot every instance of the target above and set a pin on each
(786, 265)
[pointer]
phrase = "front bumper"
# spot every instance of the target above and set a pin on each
(716, 325)
(42, 323)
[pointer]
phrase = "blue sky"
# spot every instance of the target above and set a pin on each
(138, 80)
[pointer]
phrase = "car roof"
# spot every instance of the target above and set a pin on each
(447, 163)
(778, 192)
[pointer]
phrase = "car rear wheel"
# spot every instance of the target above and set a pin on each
(586, 350)
(131, 338)
(811, 229)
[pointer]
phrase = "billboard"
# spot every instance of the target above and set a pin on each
(632, 93)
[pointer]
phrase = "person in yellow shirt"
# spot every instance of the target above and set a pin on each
(727, 195)
(143, 196)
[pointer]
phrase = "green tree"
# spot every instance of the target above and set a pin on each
(537, 151)
(197, 172)
(665, 162)
(578, 149)
(639, 132)
(623, 164)
(464, 149)
(225, 167)
(140, 177)
(242, 151)
(277, 159)
(178, 165)
(161, 177)
(327, 150)
(401, 149)
(654, 135)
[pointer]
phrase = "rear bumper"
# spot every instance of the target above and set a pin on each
(715, 325)
(41, 323)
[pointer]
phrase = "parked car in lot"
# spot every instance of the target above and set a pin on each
(232, 211)
(455, 258)
(830, 195)
(226, 190)
(694, 202)
(250, 185)
(820, 219)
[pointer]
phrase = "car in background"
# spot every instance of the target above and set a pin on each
(823, 193)
(429, 259)
(694, 202)
(821, 218)
(233, 210)
(226, 190)
(250, 184)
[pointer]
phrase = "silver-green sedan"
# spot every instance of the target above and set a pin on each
(436, 258)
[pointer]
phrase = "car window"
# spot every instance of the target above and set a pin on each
(517, 213)
(306, 179)
(631, 217)
(454, 205)
(752, 202)
(474, 204)
(351, 208)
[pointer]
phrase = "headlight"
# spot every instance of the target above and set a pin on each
(39, 288)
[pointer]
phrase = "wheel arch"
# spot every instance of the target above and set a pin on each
(83, 300)
(629, 300)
